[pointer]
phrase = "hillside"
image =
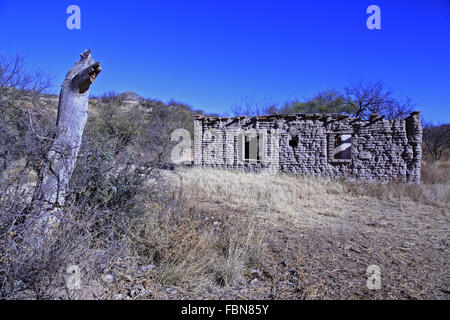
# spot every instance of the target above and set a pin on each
(127, 100)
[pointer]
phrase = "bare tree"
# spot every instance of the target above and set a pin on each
(436, 139)
(19, 89)
(54, 176)
(359, 99)
(251, 109)
(13, 75)
(366, 98)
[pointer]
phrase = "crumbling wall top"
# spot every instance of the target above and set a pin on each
(298, 116)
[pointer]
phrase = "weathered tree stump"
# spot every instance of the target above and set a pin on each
(53, 181)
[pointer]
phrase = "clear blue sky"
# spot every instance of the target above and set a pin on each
(213, 54)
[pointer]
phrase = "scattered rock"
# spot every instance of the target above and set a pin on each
(148, 268)
(108, 278)
(256, 273)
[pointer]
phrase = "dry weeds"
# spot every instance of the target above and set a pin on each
(328, 232)
(217, 234)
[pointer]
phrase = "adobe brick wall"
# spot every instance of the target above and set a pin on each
(305, 144)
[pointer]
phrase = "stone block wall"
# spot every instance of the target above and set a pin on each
(328, 145)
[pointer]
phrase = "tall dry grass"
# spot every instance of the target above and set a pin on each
(434, 188)
(309, 200)
(193, 250)
(276, 198)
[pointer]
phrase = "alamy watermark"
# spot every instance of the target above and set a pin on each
(73, 22)
(73, 281)
(181, 153)
(218, 147)
(374, 21)
(374, 279)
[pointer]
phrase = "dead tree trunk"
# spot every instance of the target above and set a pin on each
(52, 185)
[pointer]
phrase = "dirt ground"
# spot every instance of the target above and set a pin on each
(411, 247)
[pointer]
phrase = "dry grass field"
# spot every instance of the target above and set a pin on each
(294, 237)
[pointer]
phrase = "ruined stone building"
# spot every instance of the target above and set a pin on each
(328, 145)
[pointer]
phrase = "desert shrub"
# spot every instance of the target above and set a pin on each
(23, 130)
(160, 123)
(113, 166)
(113, 172)
(112, 123)
(25, 133)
